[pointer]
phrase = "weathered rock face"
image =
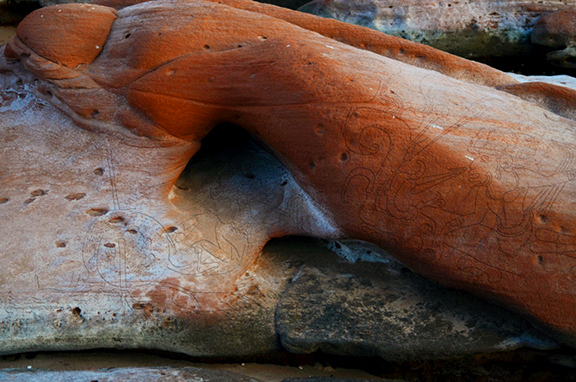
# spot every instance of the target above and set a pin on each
(150, 374)
(382, 309)
(557, 30)
(113, 265)
(467, 28)
(466, 184)
(93, 298)
(82, 293)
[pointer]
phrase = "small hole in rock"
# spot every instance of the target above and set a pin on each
(38, 192)
(76, 311)
(132, 231)
(61, 244)
(171, 229)
(116, 219)
(109, 245)
(4, 200)
(344, 157)
(128, 35)
(540, 259)
(312, 165)
(284, 183)
(95, 113)
(76, 196)
(97, 211)
(99, 171)
(29, 200)
(207, 47)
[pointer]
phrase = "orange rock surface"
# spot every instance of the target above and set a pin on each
(401, 145)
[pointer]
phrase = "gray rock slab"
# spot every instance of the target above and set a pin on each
(147, 374)
(381, 308)
(466, 28)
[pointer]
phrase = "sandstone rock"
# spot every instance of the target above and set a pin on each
(466, 28)
(557, 30)
(466, 184)
(84, 297)
(116, 267)
(144, 374)
(382, 309)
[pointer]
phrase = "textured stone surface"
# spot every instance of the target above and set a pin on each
(394, 143)
(144, 374)
(383, 309)
(117, 267)
(557, 30)
(468, 28)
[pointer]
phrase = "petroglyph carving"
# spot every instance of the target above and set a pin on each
(398, 144)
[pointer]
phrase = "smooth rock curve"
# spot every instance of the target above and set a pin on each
(466, 184)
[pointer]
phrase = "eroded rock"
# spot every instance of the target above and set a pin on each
(394, 143)
(466, 28)
(380, 308)
(557, 30)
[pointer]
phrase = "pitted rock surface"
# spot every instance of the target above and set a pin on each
(394, 143)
